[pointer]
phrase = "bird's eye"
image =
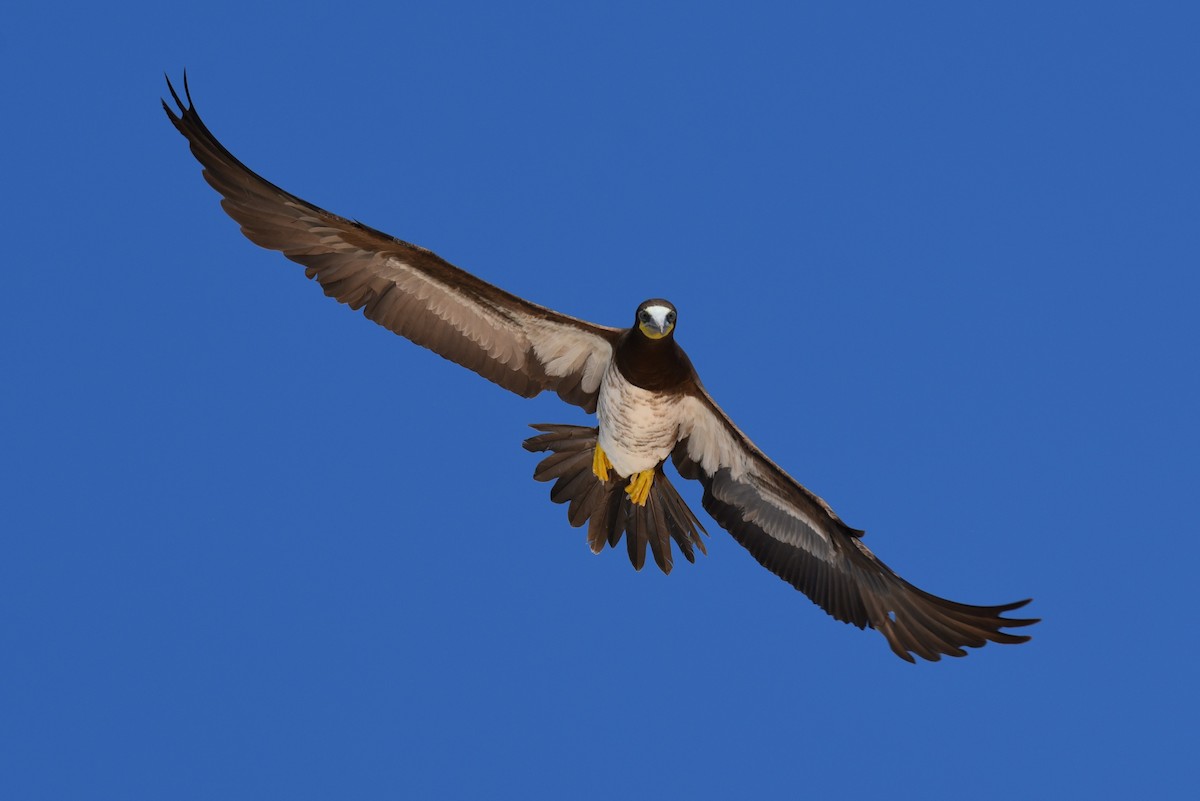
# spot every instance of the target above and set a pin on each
(644, 316)
(670, 317)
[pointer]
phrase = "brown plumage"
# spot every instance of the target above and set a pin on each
(519, 345)
(605, 507)
(651, 405)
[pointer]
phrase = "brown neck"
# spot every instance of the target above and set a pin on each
(658, 365)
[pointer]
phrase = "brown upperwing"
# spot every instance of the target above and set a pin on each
(519, 345)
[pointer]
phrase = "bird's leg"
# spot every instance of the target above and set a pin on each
(600, 463)
(639, 486)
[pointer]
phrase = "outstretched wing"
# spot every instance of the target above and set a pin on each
(519, 345)
(796, 536)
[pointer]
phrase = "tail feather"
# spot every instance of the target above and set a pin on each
(582, 507)
(601, 528)
(682, 524)
(605, 506)
(659, 533)
(573, 486)
(552, 466)
(635, 541)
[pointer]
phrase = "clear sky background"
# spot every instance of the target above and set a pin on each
(939, 261)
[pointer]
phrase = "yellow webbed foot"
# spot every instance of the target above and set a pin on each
(600, 463)
(639, 486)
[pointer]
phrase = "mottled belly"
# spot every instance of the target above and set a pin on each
(638, 428)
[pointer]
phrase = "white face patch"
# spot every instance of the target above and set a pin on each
(659, 315)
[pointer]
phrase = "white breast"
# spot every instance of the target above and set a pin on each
(638, 428)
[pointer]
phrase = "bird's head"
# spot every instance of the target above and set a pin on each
(656, 318)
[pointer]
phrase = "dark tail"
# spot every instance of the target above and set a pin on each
(605, 507)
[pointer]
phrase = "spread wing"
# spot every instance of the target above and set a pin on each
(796, 536)
(519, 345)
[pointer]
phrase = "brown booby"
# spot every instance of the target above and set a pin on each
(648, 399)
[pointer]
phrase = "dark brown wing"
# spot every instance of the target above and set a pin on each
(519, 345)
(796, 536)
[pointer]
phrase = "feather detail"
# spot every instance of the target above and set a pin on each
(795, 535)
(605, 506)
(523, 347)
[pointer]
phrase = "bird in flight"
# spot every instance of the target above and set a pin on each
(649, 403)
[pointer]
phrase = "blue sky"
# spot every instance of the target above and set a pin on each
(940, 262)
